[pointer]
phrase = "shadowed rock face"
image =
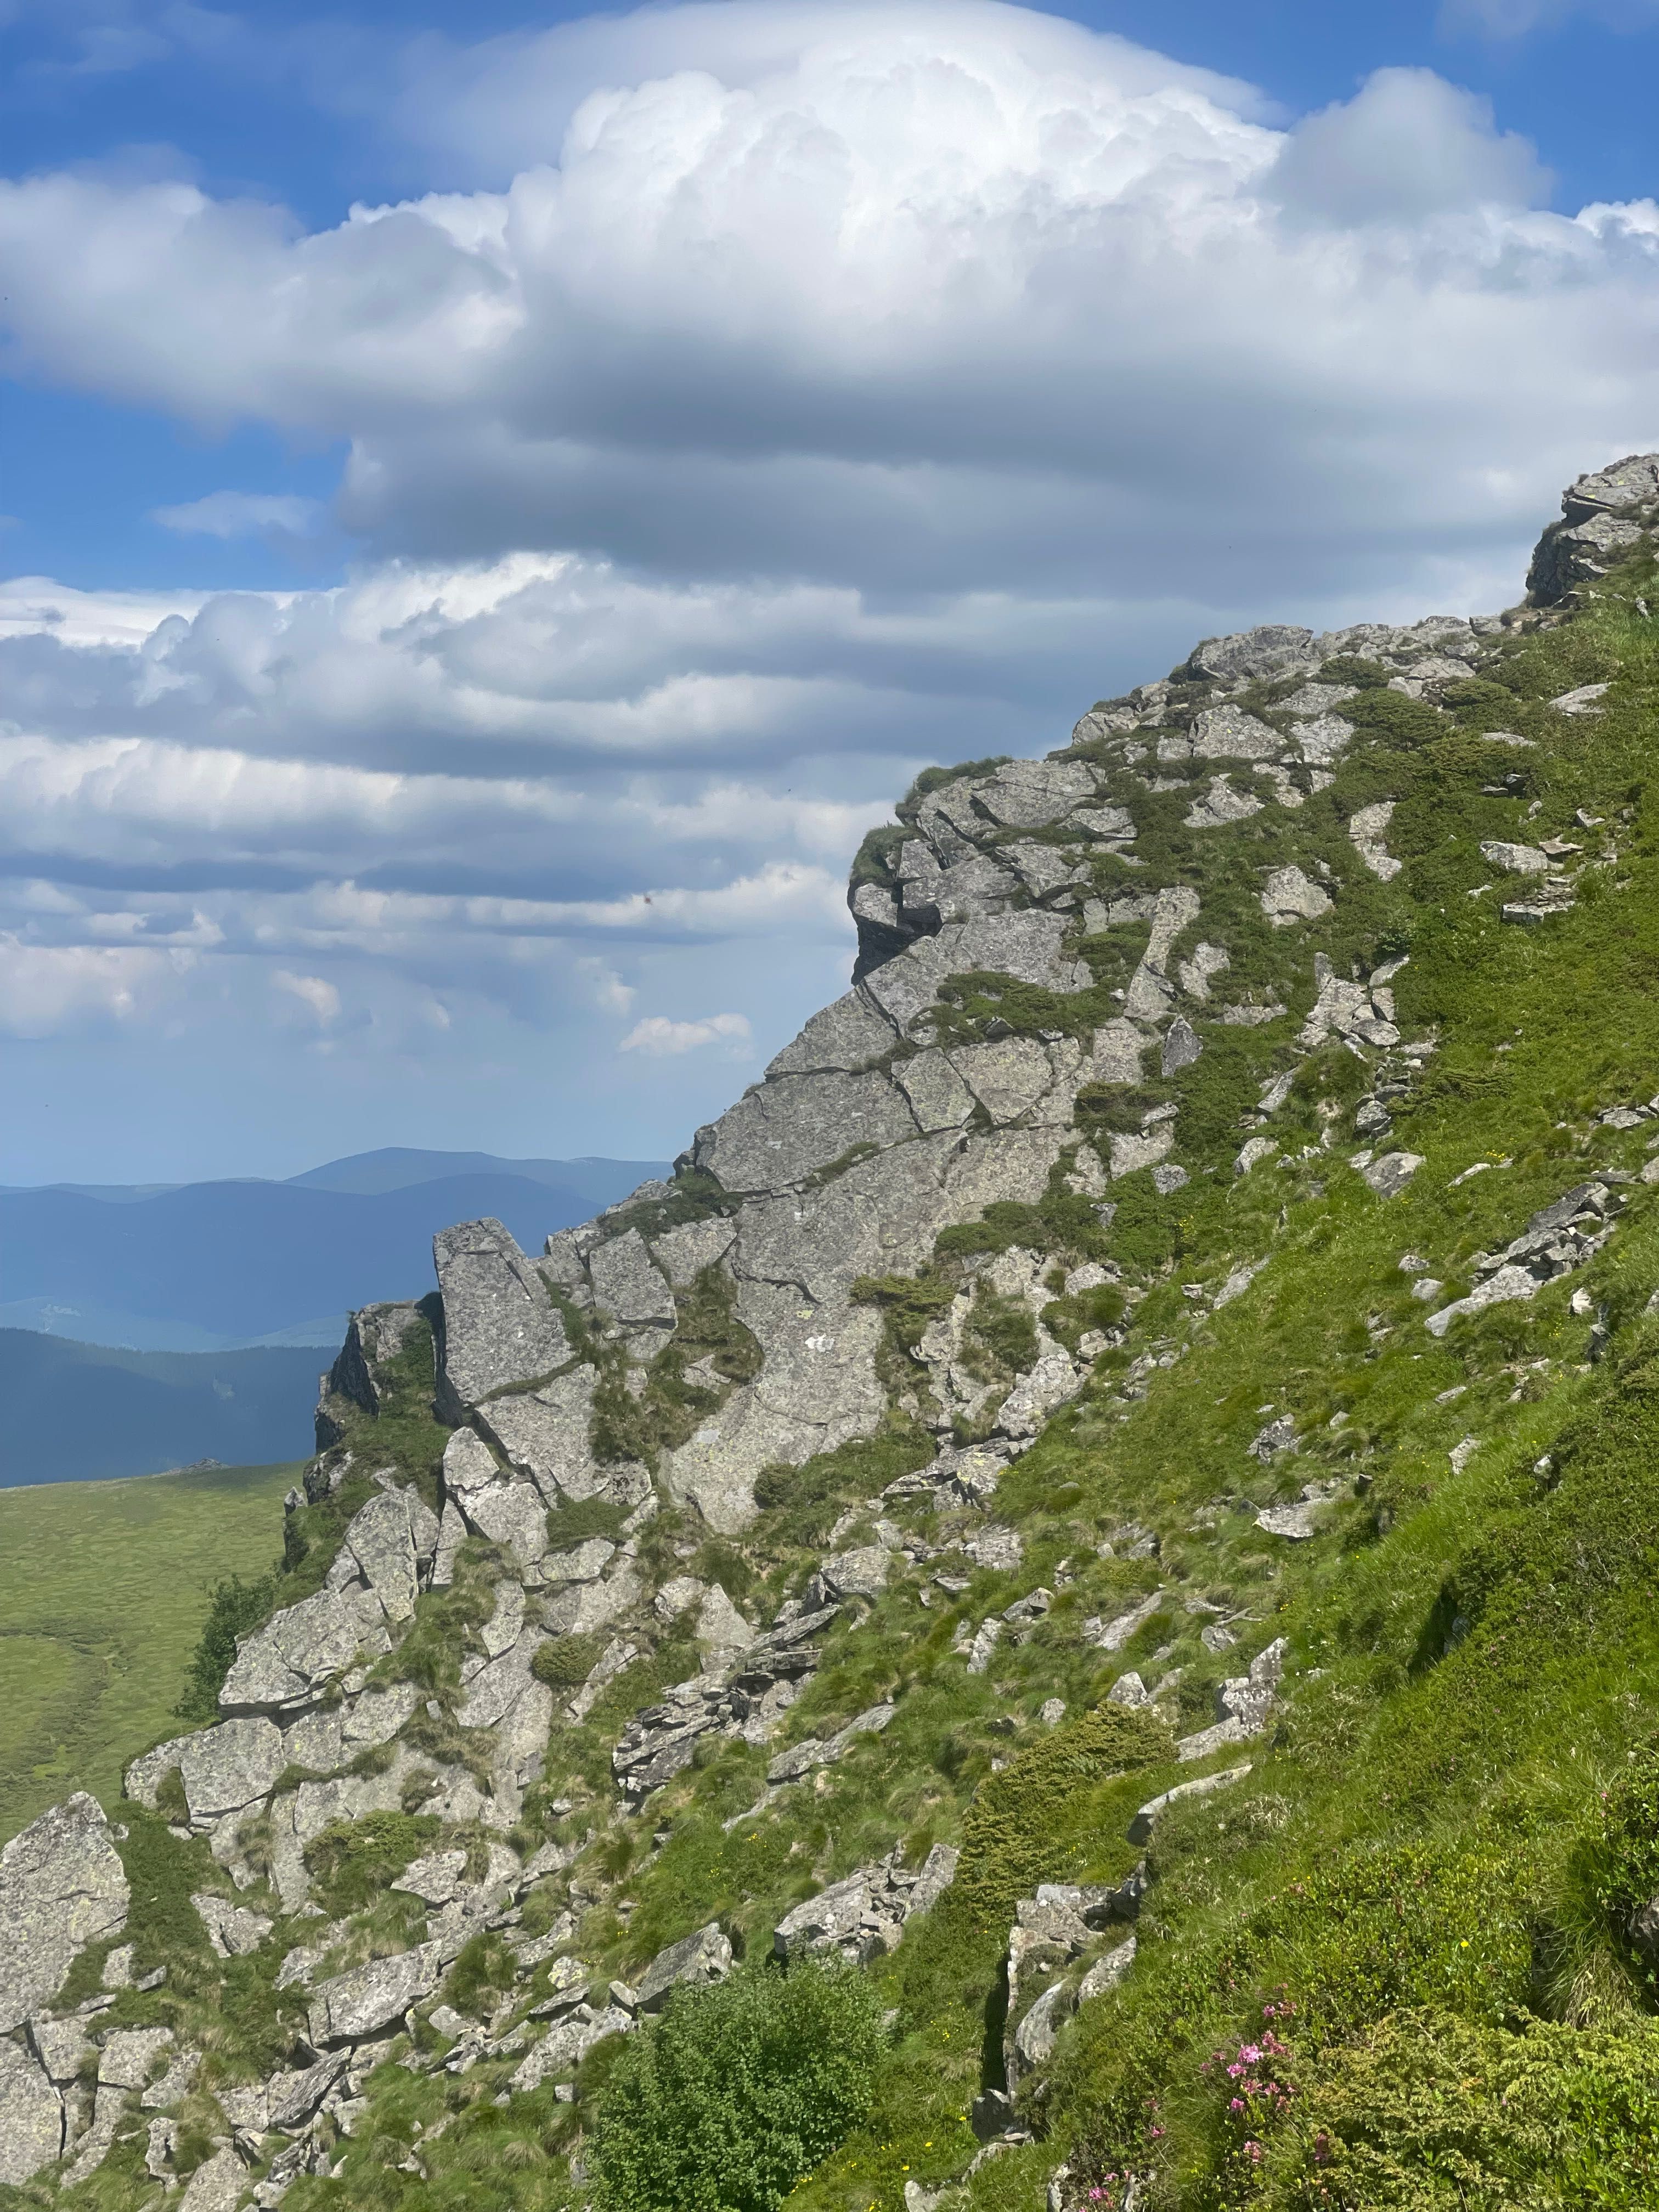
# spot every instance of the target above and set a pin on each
(1602, 517)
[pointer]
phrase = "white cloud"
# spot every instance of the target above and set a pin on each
(661, 1038)
(242, 514)
(940, 297)
(785, 396)
(313, 991)
(47, 989)
(1408, 147)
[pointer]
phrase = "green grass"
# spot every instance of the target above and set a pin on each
(104, 1591)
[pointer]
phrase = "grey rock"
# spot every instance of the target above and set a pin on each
(31, 2118)
(1033, 2040)
(60, 2045)
(1116, 1055)
(563, 2049)
(1514, 860)
(1112, 1635)
(719, 1625)
(1181, 1045)
(1367, 827)
(1225, 733)
(544, 1434)
(1042, 868)
(1221, 805)
(1130, 1153)
(435, 1878)
(1601, 521)
(859, 1573)
(1506, 1286)
(232, 1766)
(938, 1098)
(695, 1960)
(1016, 1078)
(128, 2056)
(175, 2084)
(684, 1252)
(1323, 740)
(355, 2005)
(1627, 487)
(62, 1887)
(373, 1338)
(628, 1286)
(1141, 1829)
(1032, 795)
(146, 1774)
(1114, 823)
(843, 1918)
(293, 2096)
(1108, 1971)
(583, 1563)
(843, 1037)
(1288, 896)
(1026, 945)
(383, 1540)
(375, 1716)
(216, 2185)
(287, 1664)
(783, 1131)
(1273, 649)
(500, 1326)
(1389, 1175)
(232, 1930)
(1586, 700)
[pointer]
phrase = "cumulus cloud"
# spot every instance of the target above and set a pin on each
(313, 991)
(1409, 146)
(773, 399)
(242, 514)
(934, 297)
(45, 990)
(662, 1039)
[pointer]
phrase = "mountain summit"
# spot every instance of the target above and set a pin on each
(1063, 1615)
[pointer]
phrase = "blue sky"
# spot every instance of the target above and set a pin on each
(457, 649)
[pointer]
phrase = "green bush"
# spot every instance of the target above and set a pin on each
(738, 2090)
(565, 1662)
(353, 1861)
(1427, 2110)
(237, 1609)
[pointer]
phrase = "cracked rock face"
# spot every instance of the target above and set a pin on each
(500, 1326)
(62, 1886)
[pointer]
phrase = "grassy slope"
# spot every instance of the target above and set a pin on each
(103, 1592)
(1417, 1863)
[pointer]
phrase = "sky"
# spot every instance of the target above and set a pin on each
(498, 499)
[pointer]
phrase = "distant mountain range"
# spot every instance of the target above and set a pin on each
(214, 1266)
(84, 1413)
(145, 1327)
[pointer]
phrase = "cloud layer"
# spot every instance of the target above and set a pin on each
(785, 396)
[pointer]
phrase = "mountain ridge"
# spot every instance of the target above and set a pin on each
(1109, 1497)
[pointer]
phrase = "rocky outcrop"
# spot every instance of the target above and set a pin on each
(62, 1887)
(1604, 518)
(864, 1914)
(499, 1326)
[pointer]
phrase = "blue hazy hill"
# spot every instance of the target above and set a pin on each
(205, 1267)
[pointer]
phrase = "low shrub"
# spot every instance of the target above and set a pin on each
(738, 2090)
